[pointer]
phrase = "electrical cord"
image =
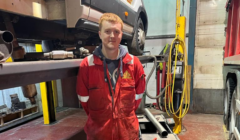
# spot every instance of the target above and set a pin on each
(171, 80)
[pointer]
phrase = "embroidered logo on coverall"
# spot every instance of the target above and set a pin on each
(127, 75)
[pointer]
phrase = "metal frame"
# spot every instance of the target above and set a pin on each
(163, 36)
(24, 73)
(191, 42)
(232, 60)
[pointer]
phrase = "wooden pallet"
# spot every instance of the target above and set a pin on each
(15, 116)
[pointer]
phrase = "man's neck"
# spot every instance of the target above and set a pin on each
(110, 54)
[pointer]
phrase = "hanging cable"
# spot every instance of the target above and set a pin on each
(171, 81)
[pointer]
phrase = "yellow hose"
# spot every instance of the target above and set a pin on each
(171, 81)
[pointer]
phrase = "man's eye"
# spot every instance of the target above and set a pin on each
(107, 31)
(117, 32)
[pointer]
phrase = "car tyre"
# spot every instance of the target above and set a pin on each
(136, 46)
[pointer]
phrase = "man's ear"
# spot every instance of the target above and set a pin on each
(99, 33)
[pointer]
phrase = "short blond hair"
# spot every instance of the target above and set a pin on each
(111, 18)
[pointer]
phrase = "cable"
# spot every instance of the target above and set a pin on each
(171, 81)
(171, 78)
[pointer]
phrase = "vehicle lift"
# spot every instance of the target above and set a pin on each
(173, 87)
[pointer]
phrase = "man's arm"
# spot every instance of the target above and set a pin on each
(139, 81)
(82, 85)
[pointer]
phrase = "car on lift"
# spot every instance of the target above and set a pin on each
(73, 22)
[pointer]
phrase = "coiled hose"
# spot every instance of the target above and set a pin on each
(171, 80)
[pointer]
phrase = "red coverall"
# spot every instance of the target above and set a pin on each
(111, 117)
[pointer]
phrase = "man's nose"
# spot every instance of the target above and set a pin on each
(111, 34)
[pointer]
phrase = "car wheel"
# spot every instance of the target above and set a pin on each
(233, 112)
(136, 46)
(230, 86)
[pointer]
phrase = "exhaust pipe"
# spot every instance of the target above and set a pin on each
(6, 47)
(6, 37)
(159, 127)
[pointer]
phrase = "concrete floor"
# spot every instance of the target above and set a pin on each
(203, 127)
(71, 121)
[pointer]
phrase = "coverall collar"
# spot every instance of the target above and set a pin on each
(98, 58)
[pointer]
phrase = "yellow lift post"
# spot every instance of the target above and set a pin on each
(48, 92)
(185, 95)
(180, 32)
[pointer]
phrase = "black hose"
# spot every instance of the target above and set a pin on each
(148, 78)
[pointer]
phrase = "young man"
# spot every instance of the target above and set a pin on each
(110, 85)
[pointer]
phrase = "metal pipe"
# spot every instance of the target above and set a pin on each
(163, 36)
(140, 134)
(59, 54)
(6, 47)
(160, 128)
(6, 37)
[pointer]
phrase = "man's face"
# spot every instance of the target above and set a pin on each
(111, 35)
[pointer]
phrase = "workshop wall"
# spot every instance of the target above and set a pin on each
(162, 16)
(209, 43)
(208, 59)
